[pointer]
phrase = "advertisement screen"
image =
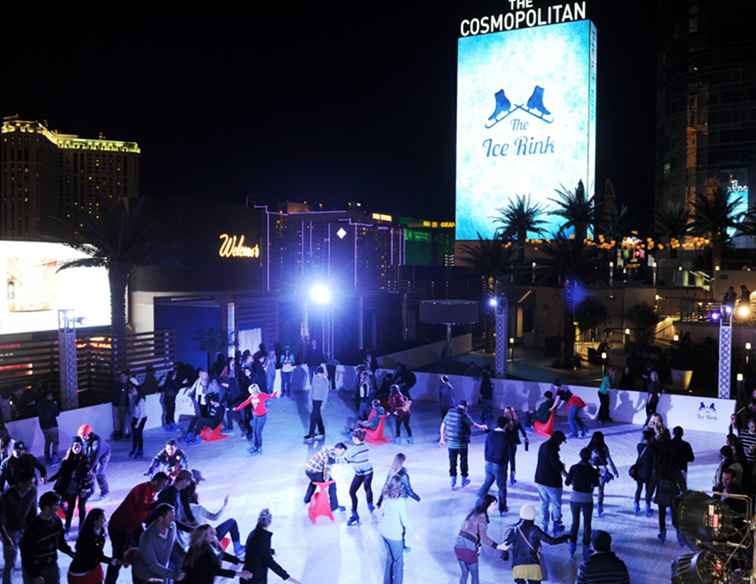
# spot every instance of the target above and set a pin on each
(526, 120)
(33, 290)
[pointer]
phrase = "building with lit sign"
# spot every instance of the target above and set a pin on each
(46, 173)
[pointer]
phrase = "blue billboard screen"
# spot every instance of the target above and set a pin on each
(526, 120)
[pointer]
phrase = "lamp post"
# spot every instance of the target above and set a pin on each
(532, 272)
(511, 348)
(603, 363)
(725, 353)
(611, 273)
(748, 353)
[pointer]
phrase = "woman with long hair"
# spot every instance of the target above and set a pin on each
(397, 469)
(393, 526)
(138, 409)
(258, 558)
(400, 407)
(472, 536)
(74, 481)
(602, 460)
(655, 423)
(86, 567)
(204, 560)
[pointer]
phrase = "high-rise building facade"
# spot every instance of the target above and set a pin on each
(706, 102)
(44, 173)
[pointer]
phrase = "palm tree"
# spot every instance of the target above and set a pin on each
(572, 263)
(489, 258)
(713, 216)
(518, 219)
(119, 241)
(673, 222)
(578, 210)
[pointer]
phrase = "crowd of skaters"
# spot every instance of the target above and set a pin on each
(163, 533)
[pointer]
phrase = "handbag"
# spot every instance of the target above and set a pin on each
(633, 470)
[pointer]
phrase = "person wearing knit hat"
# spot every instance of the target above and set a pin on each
(525, 540)
(548, 479)
(603, 565)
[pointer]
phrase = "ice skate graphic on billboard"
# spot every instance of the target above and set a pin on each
(525, 120)
(534, 107)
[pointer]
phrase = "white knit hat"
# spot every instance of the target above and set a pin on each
(528, 512)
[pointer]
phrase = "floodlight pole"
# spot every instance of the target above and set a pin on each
(67, 360)
(502, 335)
(725, 353)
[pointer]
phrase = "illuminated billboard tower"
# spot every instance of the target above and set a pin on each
(526, 119)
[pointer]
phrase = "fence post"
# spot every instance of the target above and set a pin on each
(69, 378)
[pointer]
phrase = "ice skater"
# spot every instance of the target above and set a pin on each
(318, 397)
(257, 400)
(512, 432)
(97, 451)
(358, 455)
(472, 536)
(318, 470)
(171, 460)
(400, 407)
(601, 458)
(455, 435)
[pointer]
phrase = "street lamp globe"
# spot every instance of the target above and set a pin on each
(320, 294)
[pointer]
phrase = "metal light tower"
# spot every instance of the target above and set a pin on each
(69, 375)
(725, 352)
(502, 335)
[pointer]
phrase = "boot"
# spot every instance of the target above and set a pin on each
(397, 440)
(558, 529)
(410, 440)
(512, 480)
(465, 482)
(536, 101)
(662, 536)
(649, 511)
(636, 507)
(502, 105)
(354, 520)
(371, 507)
(238, 550)
(600, 509)
(573, 547)
(454, 482)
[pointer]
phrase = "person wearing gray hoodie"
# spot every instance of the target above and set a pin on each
(318, 395)
(156, 546)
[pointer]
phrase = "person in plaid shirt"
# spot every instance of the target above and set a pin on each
(318, 470)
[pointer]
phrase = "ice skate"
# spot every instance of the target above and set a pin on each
(536, 108)
(502, 110)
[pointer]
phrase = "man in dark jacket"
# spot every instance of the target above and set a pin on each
(20, 464)
(644, 471)
(682, 455)
(215, 414)
(548, 478)
(18, 506)
(41, 541)
(47, 411)
(120, 404)
(603, 567)
(259, 375)
(455, 434)
(496, 470)
(97, 452)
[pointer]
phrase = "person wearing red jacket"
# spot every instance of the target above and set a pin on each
(126, 521)
(257, 400)
(574, 406)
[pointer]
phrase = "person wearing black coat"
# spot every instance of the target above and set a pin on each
(204, 560)
(496, 470)
(74, 481)
(258, 557)
(667, 481)
(603, 567)
(644, 471)
(524, 541)
(548, 479)
(86, 566)
(97, 451)
(682, 455)
(47, 412)
(583, 477)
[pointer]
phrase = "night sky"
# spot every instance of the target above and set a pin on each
(331, 105)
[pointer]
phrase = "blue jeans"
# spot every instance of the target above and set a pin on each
(498, 473)
(574, 420)
(551, 499)
(393, 572)
(258, 423)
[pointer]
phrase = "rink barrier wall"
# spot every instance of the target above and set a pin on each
(628, 406)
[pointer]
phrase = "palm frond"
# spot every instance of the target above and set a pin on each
(95, 262)
(578, 210)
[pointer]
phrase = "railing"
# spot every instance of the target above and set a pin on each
(27, 368)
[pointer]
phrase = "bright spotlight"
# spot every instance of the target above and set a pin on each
(728, 309)
(743, 311)
(492, 302)
(320, 294)
(715, 316)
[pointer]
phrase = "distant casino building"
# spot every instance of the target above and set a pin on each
(46, 173)
(706, 103)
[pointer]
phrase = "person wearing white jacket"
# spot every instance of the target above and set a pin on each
(138, 410)
(394, 528)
